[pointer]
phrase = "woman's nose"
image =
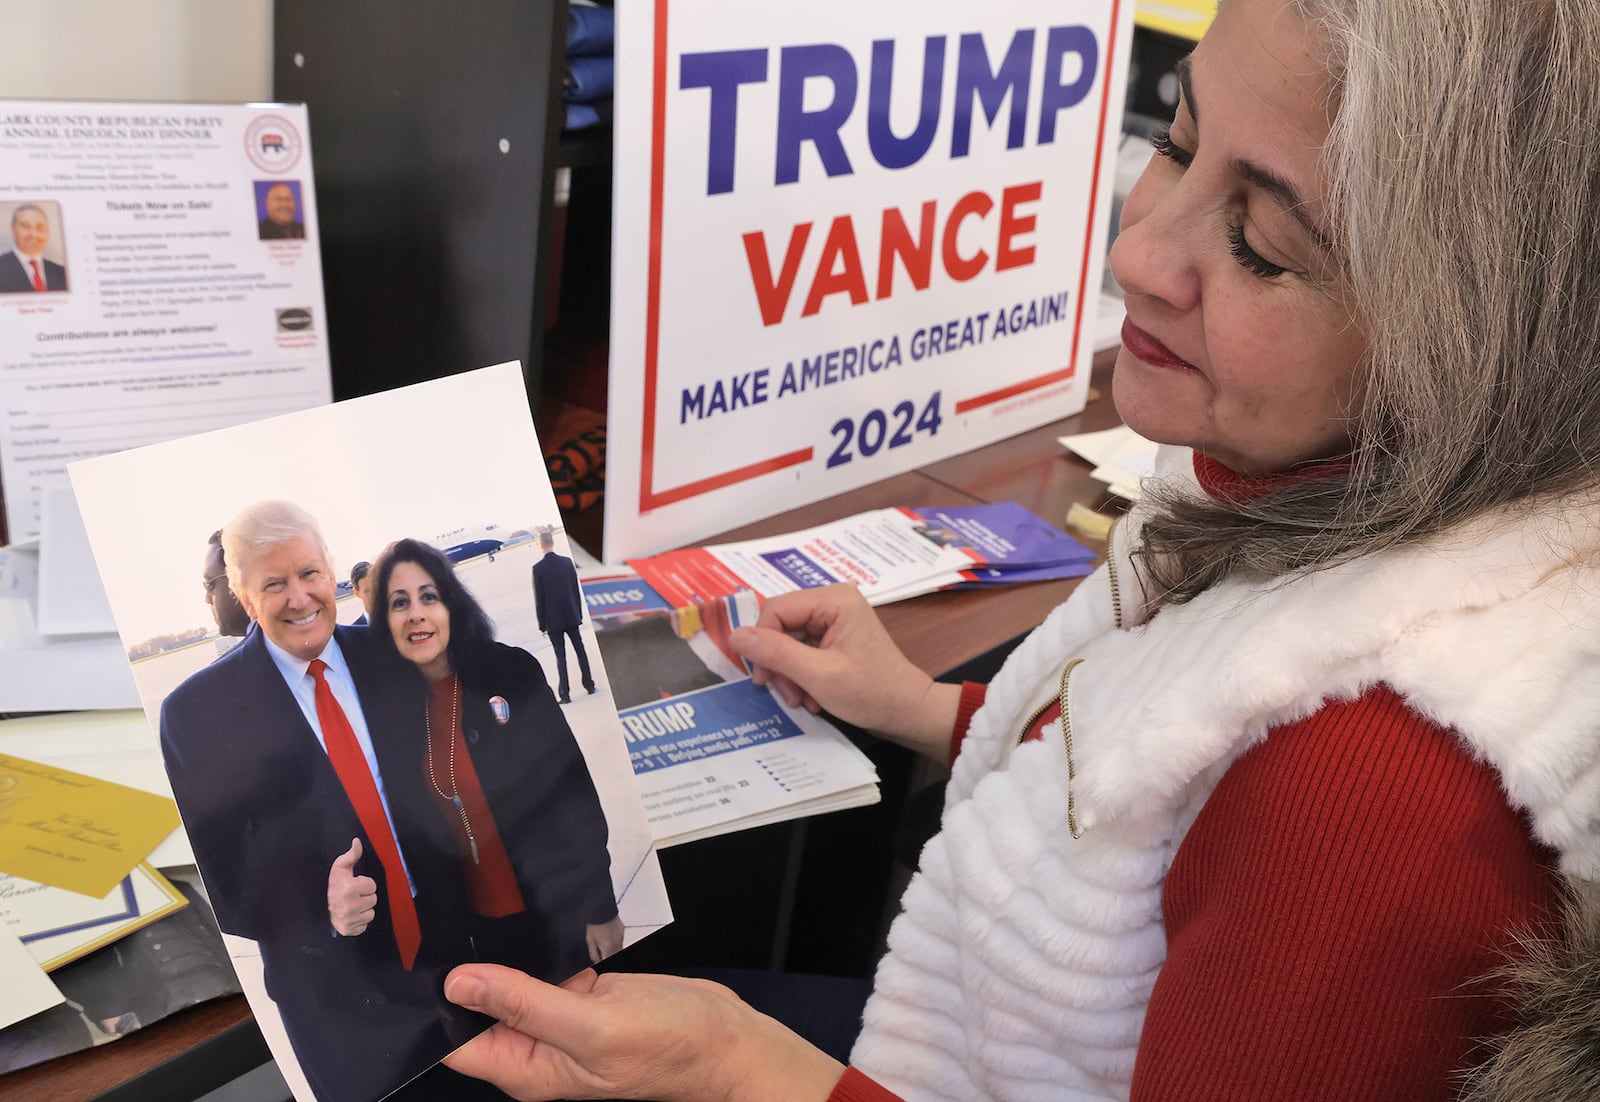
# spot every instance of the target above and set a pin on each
(1154, 253)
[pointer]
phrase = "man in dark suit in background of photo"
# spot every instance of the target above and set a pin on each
(559, 604)
(24, 268)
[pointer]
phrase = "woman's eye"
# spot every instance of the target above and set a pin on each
(1245, 255)
(1161, 139)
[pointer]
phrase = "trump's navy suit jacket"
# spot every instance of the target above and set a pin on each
(267, 815)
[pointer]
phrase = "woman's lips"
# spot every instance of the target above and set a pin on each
(1151, 351)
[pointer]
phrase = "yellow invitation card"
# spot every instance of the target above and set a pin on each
(75, 832)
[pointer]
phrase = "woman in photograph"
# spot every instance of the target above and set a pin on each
(1263, 810)
(513, 793)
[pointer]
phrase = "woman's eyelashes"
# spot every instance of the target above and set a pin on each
(1161, 139)
(1248, 258)
(1245, 255)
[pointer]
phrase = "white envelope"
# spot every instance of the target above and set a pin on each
(52, 675)
(71, 599)
(24, 988)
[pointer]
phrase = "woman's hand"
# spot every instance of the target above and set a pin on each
(604, 939)
(826, 649)
(630, 1036)
(352, 899)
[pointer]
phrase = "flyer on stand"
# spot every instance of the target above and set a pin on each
(713, 751)
(159, 276)
(379, 784)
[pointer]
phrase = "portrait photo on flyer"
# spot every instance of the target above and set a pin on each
(340, 622)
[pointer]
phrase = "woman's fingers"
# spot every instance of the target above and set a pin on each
(626, 1036)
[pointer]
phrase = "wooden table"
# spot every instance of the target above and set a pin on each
(198, 1049)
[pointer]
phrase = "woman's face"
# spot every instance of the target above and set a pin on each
(418, 620)
(1241, 339)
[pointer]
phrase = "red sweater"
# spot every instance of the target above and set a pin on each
(1331, 914)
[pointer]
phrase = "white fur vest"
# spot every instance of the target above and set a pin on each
(1022, 962)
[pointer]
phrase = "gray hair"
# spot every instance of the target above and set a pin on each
(258, 528)
(1464, 180)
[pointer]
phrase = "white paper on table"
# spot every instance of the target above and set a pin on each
(115, 746)
(1124, 475)
(1121, 456)
(71, 599)
(52, 675)
(1107, 445)
(24, 988)
(58, 926)
(19, 572)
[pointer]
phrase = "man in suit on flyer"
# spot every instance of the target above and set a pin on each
(282, 209)
(24, 268)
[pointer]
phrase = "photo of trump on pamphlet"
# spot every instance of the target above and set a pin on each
(379, 783)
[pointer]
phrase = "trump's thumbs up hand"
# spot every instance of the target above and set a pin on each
(352, 899)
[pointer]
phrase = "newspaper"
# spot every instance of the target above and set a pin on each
(712, 751)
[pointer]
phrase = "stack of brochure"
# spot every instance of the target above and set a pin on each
(1007, 543)
(890, 554)
(712, 751)
(1122, 458)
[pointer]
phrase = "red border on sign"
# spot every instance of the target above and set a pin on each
(978, 401)
(649, 497)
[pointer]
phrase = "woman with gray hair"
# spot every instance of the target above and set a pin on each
(1262, 809)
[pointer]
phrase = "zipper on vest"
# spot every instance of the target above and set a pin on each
(1111, 575)
(1032, 719)
(1066, 737)
(1116, 621)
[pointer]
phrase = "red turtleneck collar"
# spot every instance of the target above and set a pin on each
(1224, 484)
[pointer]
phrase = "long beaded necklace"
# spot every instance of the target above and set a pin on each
(454, 795)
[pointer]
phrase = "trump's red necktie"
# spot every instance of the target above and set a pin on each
(38, 280)
(351, 765)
